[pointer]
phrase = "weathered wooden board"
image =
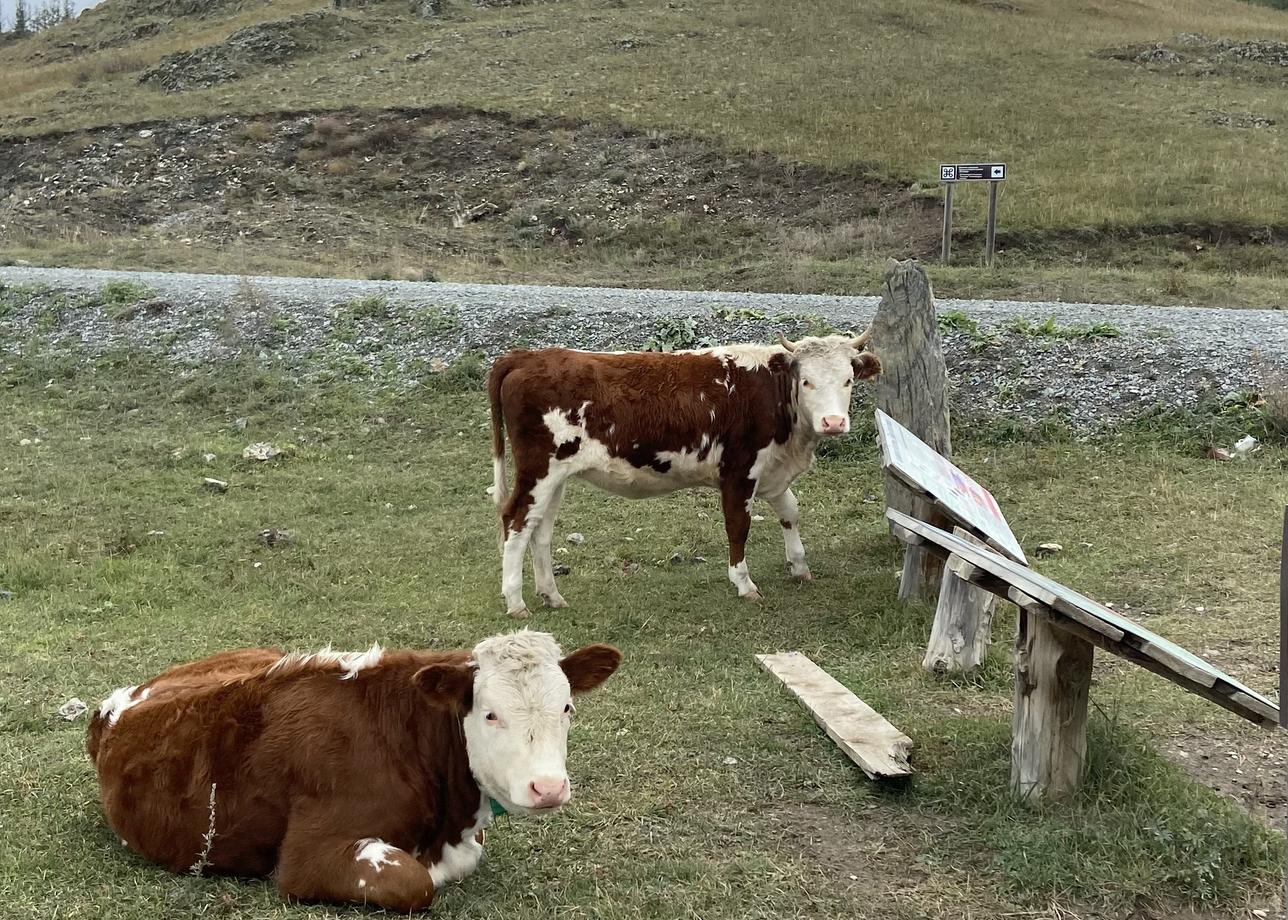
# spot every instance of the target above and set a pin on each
(880, 749)
(1119, 635)
(961, 498)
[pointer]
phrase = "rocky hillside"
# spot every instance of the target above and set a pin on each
(732, 143)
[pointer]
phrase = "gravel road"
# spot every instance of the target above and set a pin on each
(1142, 356)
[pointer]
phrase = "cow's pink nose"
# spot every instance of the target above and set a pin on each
(549, 791)
(834, 424)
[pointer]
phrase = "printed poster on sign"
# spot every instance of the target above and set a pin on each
(961, 497)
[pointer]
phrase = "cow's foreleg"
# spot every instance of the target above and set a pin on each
(735, 497)
(788, 512)
(364, 871)
(543, 566)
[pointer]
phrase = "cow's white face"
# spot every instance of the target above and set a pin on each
(519, 708)
(825, 369)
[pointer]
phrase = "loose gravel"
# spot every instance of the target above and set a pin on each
(1090, 364)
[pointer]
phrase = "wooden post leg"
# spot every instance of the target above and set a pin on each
(1049, 735)
(922, 570)
(963, 626)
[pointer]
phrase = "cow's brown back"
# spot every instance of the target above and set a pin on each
(260, 740)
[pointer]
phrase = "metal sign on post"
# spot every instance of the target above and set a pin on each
(952, 173)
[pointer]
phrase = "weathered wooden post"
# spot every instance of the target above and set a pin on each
(1052, 692)
(963, 626)
(913, 390)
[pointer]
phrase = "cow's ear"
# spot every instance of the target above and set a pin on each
(866, 364)
(589, 667)
(448, 685)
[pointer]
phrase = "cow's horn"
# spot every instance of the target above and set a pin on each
(786, 342)
(860, 340)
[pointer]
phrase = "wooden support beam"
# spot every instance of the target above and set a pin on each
(880, 749)
(913, 390)
(1052, 689)
(963, 627)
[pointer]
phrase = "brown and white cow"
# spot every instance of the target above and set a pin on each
(744, 419)
(364, 777)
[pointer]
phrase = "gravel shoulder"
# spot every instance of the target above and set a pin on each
(1089, 364)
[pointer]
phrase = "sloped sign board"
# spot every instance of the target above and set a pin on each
(961, 498)
(1113, 631)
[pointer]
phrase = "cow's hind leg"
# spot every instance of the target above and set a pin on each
(343, 869)
(735, 498)
(524, 513)
(543, 566)
(788, 512)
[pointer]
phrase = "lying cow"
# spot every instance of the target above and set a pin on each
(364, 777)
(744, 419)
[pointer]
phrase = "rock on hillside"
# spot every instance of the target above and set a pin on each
(248, 49)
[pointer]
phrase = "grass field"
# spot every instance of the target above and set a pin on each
(1127, 182)
(702, 789)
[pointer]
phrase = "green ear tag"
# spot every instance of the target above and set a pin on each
(497, 808)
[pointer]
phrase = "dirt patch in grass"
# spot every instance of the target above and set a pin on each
(445, 180)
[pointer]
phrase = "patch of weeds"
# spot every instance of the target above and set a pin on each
(373, 306)
(561, 309)
(1216, 421)
(730, 314)
(813, 323)
(437, 320)
(957, 321)
(466, 374)
(123, 293)
(1050, 329)
(676, 333)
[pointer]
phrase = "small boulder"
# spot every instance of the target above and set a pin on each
(274, 537)
(218, 486)
(576, 539)
(562, 568)
(261, 451)
(73, 709)
(1048, 549)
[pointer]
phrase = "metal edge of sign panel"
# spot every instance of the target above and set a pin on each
(1061, 597)
(887, 428)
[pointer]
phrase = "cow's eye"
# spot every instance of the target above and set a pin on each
(806, 383)
(491, 717)
(849, 382)
(568, 708)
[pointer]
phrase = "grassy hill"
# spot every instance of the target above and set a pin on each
(1139, 171)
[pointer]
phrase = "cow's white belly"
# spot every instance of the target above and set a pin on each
(621, 478)
(778, 465)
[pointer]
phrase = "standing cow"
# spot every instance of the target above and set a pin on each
(362, 777)
(744, 419)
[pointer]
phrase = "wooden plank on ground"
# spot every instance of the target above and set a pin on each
(880, 749)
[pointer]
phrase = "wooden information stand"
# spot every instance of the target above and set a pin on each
(963, 626)
(1059, 629)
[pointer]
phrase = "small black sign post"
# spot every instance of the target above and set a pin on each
(952, 173)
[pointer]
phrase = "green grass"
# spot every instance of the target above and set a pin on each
(121, 564)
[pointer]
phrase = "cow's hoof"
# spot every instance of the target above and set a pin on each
(803, 575)
(554, 600)
(752, 596)
(520, 613)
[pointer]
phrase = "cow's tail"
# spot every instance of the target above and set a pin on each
(500, 490)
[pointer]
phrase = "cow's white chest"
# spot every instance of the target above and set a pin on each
(777, 466)
(459, 860)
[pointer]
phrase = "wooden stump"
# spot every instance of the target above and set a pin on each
(1052, 682)
(913, 390)
(963, 626)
